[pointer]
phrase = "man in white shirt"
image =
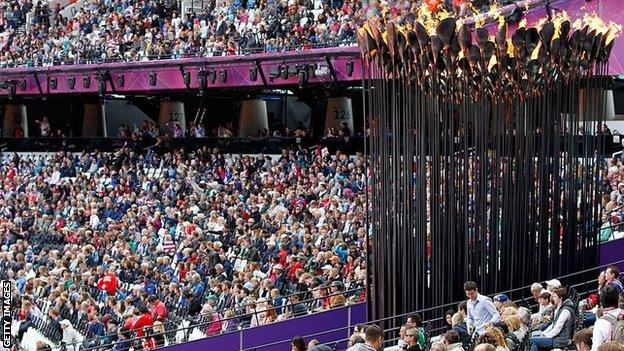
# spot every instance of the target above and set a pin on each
(481, 310)
(603, 328)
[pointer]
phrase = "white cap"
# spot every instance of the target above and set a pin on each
(66, 323)
(554, 283)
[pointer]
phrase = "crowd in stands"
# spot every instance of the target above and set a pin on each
(134, 30)
(612, 201)
(554, 321)
(114, 244)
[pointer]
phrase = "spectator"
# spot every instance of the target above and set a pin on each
(611, 275)
(481, 310)
(536, 290)
(298, 344)
(452, 341)
(410, 340)
(561, 329)
(583, 340)
(123, 342)
(604, 327)
(495, 337)
(611, 346)
(71, 338)
(373, 340)
(158, 308)
(499, 300)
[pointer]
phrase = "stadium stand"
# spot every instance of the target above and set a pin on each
(98, 238)
(129, 30)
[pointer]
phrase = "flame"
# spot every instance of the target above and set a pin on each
(614, 31)
(557, 20)
(479, 20)
(510, 48)
(591, 20)
(492, 62)
(523, 23)
(535, 53)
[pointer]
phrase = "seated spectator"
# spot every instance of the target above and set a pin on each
(448, 319)
(499, 300)
(495, 337)
(373, 340)
(298, 344)
(604, 328)
(611, 346)
(452, 341)
(459, 325)
(611, 275)
(561, 329)
(123, 343)
(583, 340)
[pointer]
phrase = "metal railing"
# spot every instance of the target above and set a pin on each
(524, 299)
(251, 145)
(428, 323)
(203, 53)
(203, 323)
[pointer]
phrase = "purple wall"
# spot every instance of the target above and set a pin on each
(169, 76)
(280, 333)
(612, 251)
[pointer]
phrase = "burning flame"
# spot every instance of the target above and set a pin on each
(612, 30)
(523, 23)
(558, 19)
(492, 62)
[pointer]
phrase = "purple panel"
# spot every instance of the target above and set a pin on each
(169, 75)
(282, 332)
(306, 325)
(612, 251)
(225, 342)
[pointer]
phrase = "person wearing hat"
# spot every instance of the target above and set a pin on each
(280, 278)
(71, 338)
(499, 300)
(552, 284)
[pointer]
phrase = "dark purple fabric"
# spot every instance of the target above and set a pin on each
(612, 251)
(281, 333)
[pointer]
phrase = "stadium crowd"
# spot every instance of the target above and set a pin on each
(612, 182)
(116, 242)
(134, 30)
(554, 321)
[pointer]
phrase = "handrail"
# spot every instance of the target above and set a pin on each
(200, 315)
(171, 56)
(204, 324)
(386, 318)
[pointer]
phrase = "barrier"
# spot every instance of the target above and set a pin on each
(341, 63)
(271, 337)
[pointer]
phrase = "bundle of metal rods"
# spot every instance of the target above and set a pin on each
(484, 157)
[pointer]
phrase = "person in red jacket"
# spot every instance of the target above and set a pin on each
(108, 282)
(158, 308)
(292, 269)
(145, 320)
